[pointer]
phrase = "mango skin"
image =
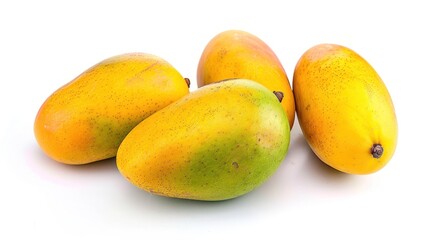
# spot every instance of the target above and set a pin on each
(219, 142)
(344, 108)
(239, 54)
(86, 120)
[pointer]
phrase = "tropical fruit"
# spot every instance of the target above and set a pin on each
(239, 54)
(86, 120)
(344, 109)
(218, 142)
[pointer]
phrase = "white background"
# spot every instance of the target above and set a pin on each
(45, 44)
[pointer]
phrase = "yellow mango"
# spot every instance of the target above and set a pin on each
(344, 109)
(239, 54)
(218, 142)
(86, 120)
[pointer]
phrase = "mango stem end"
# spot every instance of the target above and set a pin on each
(188, 82)
(279, 95)
(377, 150)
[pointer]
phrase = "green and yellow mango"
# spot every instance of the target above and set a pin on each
(86, 120)
(216, 143)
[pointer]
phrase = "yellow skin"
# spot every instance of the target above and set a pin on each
(86, 120)
(218, 142)
(238, 54)
(344, 108)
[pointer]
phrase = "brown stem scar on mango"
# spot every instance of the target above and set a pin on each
(377, 150)
(188, 82)
(279, 95)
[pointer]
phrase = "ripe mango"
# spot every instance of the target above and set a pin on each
(239, 54)
(218, 142)
(344, 109)
(86, 120)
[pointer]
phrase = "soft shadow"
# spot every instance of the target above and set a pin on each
(48, 168)
(43, 166)
(315, 166)
(177, 202)
(175, 208)
(42, 158)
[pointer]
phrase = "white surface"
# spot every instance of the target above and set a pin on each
(46, 44)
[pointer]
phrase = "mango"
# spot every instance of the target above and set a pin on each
(344, 109)
(218, 142)
(239, 54)
(86, 120)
